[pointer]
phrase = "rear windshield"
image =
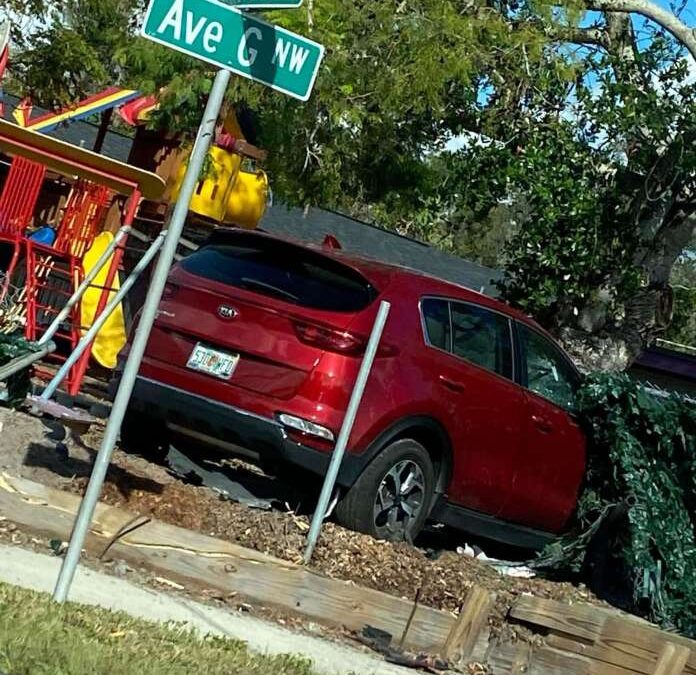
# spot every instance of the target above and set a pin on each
(280, 270)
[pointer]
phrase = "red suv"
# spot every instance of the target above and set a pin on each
(467, 417)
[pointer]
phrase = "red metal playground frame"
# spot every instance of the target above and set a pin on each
(74, 162)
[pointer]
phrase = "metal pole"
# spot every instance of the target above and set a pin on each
(86, 282)
(142, 334)
(80, 368)
(346, 429)
(100, 320)
(22, 362)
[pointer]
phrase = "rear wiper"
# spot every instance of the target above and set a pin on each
(254, 283)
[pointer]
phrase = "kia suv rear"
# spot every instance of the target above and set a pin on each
(257, 345)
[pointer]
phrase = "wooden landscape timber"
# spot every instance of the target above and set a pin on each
(577, 639)
(606, 641)
(205, 562)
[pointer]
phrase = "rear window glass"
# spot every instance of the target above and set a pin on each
(282, 271)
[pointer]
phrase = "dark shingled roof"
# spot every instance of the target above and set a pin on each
(376, 242)
(80, 133)
(354, 235)
(669, 369)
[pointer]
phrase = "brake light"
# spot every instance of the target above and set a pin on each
(329, 339)
(331, 242)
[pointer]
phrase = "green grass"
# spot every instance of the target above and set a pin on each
(38, 637)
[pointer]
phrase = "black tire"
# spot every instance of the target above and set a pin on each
(358, 510)
(140, 435)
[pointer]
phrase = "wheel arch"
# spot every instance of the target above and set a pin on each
(427, 431)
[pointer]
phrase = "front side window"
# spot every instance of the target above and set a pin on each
(548, 372)
(482, 337)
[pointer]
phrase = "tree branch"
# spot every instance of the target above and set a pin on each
(580, 36)
(670, 22)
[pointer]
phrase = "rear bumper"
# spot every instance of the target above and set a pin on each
(233, 426)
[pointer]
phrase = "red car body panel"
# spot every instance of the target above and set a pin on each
(550, 470)
(515, 455)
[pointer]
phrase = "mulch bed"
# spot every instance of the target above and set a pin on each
(396, 568)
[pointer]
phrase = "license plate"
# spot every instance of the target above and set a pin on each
(210, 361)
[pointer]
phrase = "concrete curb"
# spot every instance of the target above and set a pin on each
(38, 572)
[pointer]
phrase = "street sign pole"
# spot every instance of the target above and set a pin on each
(233, 41)
(147, 318)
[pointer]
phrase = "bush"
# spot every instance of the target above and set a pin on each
(642, 471)
(12, 346)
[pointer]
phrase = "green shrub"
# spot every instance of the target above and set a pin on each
(642, 460)
(12, 346)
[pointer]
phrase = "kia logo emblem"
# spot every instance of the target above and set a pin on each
(227, 312)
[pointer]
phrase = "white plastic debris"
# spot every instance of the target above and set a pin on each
(504, 567)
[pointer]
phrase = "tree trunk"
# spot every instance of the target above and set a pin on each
(103, 129)
(647, 313)
(663, 210)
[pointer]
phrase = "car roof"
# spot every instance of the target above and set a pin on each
(379, 273)
(428, 284)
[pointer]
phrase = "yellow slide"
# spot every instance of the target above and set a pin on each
(112, 337)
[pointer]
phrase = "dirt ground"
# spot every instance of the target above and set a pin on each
(46, 452)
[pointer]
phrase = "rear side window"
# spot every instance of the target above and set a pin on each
(482, 337)
(280, 270)
(436, 319)
(470, 332)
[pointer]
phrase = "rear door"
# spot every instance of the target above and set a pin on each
(269, 304)
(474, 376)
(551, 468)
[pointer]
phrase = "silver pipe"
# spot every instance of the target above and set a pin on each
(86, 282)
(99, 321)
(22, 362)
(206, 133)
(346, 429)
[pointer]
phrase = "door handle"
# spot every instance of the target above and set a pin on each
(542, 424)
(451, 384)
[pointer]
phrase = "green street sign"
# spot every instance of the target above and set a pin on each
(228, 38)
(266, 4)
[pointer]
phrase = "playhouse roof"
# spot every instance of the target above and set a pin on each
(71, 160)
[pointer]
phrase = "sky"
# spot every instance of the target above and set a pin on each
(689, 13)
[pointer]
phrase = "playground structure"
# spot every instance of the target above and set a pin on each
(232, 192)
(59, 273)
(44, 263)
(48, 267)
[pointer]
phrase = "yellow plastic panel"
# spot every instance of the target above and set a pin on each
(247, 200)
(112, 337)
(212, 193)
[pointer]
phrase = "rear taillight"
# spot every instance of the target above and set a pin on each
(329, 339)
